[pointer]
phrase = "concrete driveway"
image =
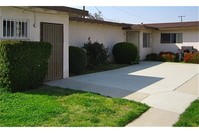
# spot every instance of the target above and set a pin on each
(167, 87)
(146, 77)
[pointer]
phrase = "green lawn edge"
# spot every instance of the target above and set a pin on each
(190, 117)
(60, 107)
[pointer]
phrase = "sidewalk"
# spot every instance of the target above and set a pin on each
(166, 107)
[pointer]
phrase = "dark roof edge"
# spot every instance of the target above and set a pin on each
(65, 9)
(87, 20)
(172, 23)
(159, 26)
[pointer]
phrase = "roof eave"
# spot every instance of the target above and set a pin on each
(179, 28)
(86, 20)
(65, 9)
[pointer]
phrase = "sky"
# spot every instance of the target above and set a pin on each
(146, 14)
(127, 11)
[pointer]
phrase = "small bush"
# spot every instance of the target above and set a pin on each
(152, 57)
(125, 53)
(191, 58)
(23, 64)
(137, 59)
(169, 56)
(96, 53)
(77, 60)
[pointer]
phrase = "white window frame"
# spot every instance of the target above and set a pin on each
(148, 40)
(16, 33)
(173, 38)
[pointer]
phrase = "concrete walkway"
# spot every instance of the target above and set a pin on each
(168, 88)
(166, 106)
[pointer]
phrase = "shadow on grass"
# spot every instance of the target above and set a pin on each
(54, 91)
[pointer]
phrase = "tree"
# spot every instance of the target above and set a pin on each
(97, 16)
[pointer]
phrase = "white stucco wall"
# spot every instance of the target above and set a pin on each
(106, 34)
(41, 16)
(190, 38)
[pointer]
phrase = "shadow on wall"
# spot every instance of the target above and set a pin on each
(172, 47)
(165, 48)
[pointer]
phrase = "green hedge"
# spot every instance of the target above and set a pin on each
(23, 64)
(77, 60)
(125, 53)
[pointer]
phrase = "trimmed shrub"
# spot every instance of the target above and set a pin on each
(191, 58)
(96, 53)
(169, 56)
(23, 64)
(77, 60)
(152, 57)
(125, 53)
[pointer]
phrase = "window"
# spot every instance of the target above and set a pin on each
(16, 29)
(171, 37)
(146, 40)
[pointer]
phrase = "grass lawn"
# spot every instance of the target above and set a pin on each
(104, 67)
(54, 106)
(190, 118)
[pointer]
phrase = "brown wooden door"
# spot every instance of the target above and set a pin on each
(53, 33)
